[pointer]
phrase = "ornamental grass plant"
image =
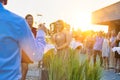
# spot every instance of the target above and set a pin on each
(72, 67)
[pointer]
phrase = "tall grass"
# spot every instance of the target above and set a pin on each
(72, 67)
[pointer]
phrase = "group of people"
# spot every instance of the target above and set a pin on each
(60, 42)
(102, 44)
(22, 44)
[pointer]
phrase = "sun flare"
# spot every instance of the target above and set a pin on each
(83, 22)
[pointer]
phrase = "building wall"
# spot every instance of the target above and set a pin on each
(109, 15)
(114, 27)
(106, 14)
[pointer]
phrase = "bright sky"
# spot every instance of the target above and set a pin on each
(77, 13)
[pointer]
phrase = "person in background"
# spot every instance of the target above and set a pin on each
(112, 54)
(117, 55)
(89, 46)
(15, 36)
(97, 48)
(76, 45)
(106, 51)
(25, 58)
(29, 18)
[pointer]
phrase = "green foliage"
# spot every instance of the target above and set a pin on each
(72, 67)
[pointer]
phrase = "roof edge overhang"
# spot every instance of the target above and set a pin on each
(107, 15)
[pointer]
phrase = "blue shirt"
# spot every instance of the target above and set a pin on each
(15, 35)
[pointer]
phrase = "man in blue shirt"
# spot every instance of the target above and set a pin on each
(15, 35)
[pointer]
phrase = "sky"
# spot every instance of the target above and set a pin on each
(77, 13)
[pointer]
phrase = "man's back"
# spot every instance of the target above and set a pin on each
(15, 35)
(10, 34)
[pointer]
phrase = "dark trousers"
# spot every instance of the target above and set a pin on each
(99, 53)
(44, 75)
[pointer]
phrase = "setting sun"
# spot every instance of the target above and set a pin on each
(83, 22)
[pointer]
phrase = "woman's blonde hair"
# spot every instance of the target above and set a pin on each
(61, 22)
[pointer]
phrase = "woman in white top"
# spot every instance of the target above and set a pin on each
(106, 51)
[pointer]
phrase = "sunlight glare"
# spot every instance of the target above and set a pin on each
(83, 22)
